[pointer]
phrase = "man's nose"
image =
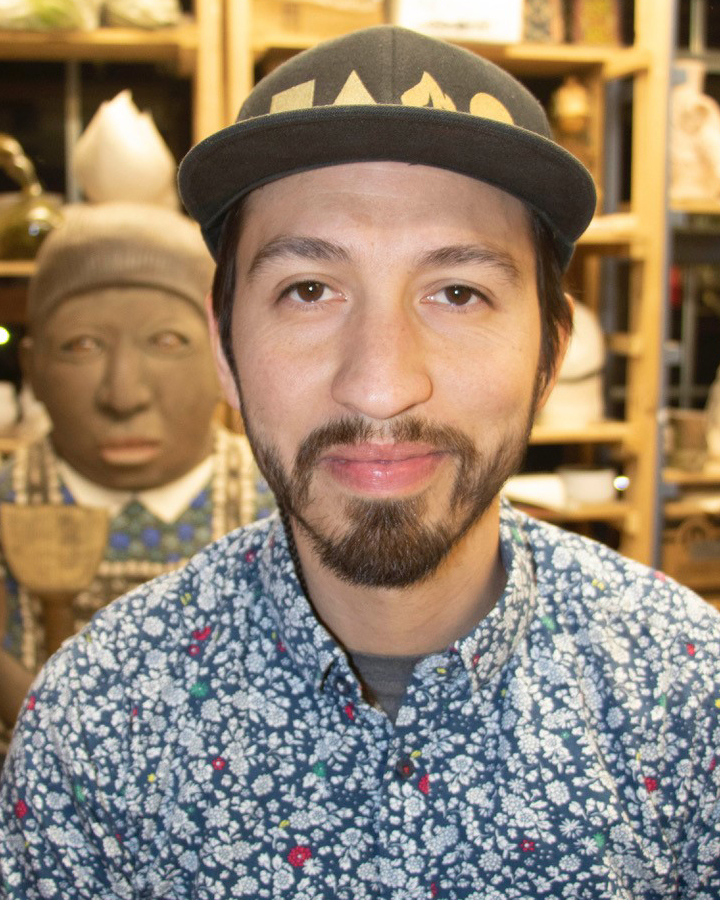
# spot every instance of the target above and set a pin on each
(382, 371)
(124, 389)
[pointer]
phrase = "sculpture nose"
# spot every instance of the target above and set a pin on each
(124, 389)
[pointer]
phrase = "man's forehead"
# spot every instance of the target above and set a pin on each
(364, 180)
(299, 214)
(415, 217)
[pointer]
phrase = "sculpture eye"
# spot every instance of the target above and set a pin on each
(169, 340)
(81, 345)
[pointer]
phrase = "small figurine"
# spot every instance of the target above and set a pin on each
(712, 409)
(577, 398)
(571, 118)
(694, 138)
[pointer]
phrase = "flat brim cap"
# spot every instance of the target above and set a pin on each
(389, 93)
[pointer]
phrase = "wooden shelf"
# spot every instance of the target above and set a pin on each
(176, 45)
(707, 476)
(523, 58)
(617, 230)
(615, 511)
(562, 59)
(700, 207)
(628, 345)
(607, 432)
(692, 506)
(16, 268)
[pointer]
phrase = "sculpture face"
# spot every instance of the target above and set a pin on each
(127, 376)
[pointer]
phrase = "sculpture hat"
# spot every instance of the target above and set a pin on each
(119, 244)
(389, 93)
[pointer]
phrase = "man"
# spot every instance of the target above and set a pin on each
(402, 688)
(118, 352)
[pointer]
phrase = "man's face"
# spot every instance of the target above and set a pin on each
(386, 332)
(129, 383)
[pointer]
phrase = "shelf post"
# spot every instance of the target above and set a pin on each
(654, 33)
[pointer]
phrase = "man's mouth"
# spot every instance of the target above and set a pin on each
(130, 452)
(382, 469)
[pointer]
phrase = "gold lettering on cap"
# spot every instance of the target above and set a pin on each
(427, 92)
(490, 107)
(354, 93)
(299, 97)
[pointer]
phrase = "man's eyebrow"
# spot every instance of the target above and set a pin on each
(461, 254)
(309, 248)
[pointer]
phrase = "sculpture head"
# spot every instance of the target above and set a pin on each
(118, 348)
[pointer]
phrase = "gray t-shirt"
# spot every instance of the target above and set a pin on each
(385, 678)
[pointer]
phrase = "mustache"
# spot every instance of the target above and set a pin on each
(351, 430)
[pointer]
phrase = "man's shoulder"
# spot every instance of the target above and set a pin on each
(598, 587)
(157, 619)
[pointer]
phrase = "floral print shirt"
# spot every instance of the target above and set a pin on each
(204, 737)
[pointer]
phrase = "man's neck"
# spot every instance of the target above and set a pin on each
(419, 619)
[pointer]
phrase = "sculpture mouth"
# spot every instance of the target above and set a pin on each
(130, 453)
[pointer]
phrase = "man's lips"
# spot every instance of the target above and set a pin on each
(130, 452)
(382, 468)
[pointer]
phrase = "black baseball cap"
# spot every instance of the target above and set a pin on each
(389, 93)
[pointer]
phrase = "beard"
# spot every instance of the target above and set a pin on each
(386, 543)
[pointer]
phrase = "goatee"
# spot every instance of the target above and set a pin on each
(386, 543)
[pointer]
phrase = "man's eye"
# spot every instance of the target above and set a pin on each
(169, 340)
(307, 291)
(457, 295)
(83, 344)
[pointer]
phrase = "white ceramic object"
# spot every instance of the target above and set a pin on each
(142, 13)
(576, 399)
(712, 411)
(58, 15)
(543, 489)
(8, 405)
(121, 156)
(584, 484)
(694, 137)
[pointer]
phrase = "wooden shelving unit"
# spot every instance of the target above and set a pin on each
(20, 268)
(691, 508)
(615, 512)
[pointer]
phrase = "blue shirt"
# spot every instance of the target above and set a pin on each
(204, 737)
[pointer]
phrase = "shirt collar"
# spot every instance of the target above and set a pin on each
(166, 502)
(483, 652)
(492, 642)
(302, 636)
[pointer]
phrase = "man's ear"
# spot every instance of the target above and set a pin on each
(225, 375)
(564, 336)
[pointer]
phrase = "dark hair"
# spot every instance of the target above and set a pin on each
(555, 312)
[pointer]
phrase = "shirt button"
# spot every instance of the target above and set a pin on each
(404, 768)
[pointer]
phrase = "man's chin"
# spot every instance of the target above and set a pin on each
(386, 543)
